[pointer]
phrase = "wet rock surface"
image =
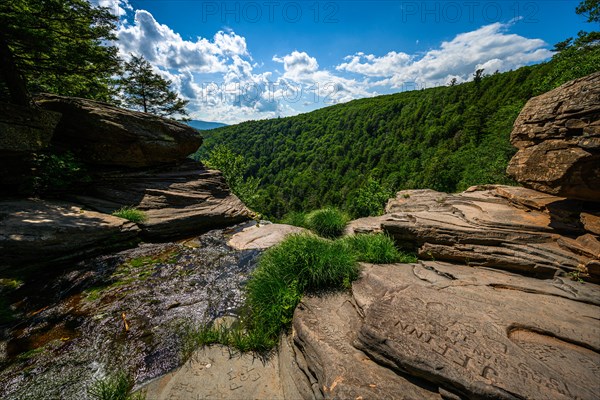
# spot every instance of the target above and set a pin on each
(41, 232)
(515, 229)
(102, 134)
(558, 137)
(435, 329)
(179, 200)
(120, 312)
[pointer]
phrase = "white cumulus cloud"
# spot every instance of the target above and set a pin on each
(489, 47)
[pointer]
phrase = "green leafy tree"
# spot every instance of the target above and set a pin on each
(145, 90)
(591, 9)
(234, 167)
(56, 46)
(368, 200)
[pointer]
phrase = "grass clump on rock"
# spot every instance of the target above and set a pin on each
(301, 264)
(377, 249)
(132, 214)
(327, 222)
(115, 387)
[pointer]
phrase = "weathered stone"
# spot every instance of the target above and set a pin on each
(438, 330)
(591, 222)
(106, 135)
(35, 232)
(325, 329)
(179, 201)
(485, 228)
(263, 236)
(559, 141)
(215, 373)
(23, 130)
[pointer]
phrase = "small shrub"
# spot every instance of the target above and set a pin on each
(132, 214)
(57, 172)
(115, 387)
(377, 249)
(369, 200)
(327, 222)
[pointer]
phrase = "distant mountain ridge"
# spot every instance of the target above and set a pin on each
(205, 125)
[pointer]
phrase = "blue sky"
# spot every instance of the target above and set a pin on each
(240, 60)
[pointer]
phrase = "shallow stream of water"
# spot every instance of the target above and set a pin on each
(120, 312)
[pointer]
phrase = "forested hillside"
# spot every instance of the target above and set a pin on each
(445, 138)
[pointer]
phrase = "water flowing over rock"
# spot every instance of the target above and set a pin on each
(40, 232)
(502, 227)
(128, 312)
(558, 137)
(179, 201)
(437, 330)
(102, 134)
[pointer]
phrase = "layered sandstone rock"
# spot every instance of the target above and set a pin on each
(502, 227)
(39, 232)
(179, 201)
(558, 137)
(102, 134)
(23, 131)
(438, 330)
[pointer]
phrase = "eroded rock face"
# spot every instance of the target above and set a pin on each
(106, 135)
(36, 232)
(558, 137)
(23, 130)
(515, 229)
(179, 201)
(434, 330)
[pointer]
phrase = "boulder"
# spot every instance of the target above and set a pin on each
(23, 131)
(439, 330)
(263, 235)
(557, 136)
(39, 232)
(514, 229)
(179, 201)
(102, 134)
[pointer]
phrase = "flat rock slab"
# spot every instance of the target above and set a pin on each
(215, 373)
(44, 232)
(263, 236)
(503, 227)
(478, 333)
(325, 329)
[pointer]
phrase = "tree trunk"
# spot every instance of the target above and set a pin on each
(12, 77)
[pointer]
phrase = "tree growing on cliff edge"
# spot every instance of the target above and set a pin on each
(145, 90)
(56, 46)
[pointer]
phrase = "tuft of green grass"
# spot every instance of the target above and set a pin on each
(132, 214)
(296, 218)
(377, 249)
(327, 222)
(115, 387)
(299, 264)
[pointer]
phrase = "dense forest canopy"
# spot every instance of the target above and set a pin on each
(445, 138)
